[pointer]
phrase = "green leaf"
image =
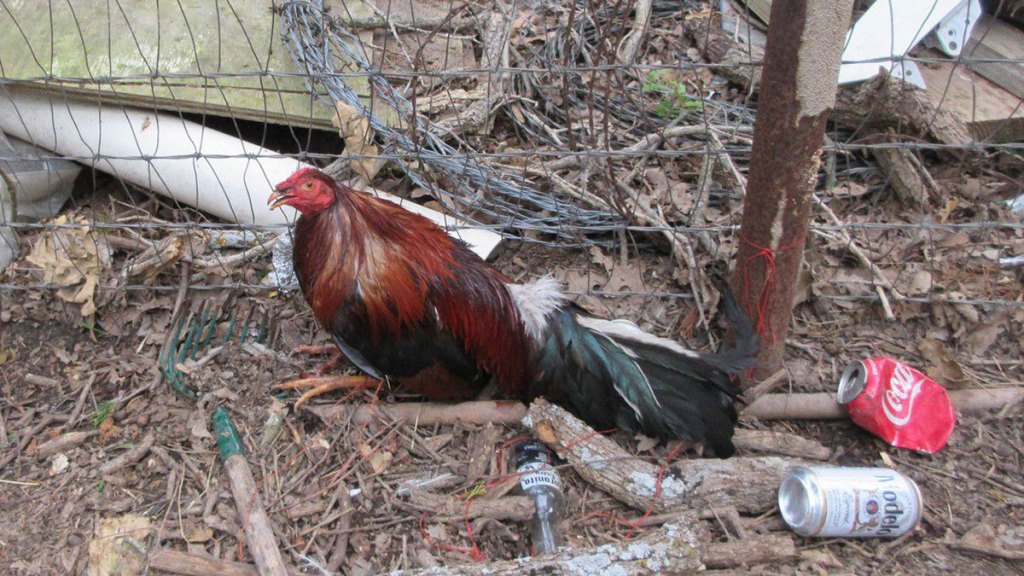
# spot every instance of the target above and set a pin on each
(103, 410)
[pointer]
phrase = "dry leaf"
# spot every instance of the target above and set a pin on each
(943, 368)
(599, 257)
(73, 258)
(193, 531)
(109, 555)
(108, 429)
(59, 464)
(379, 459)
(984, 539)
(546, 433)
(645, 443)
(981, 338)
(6, 355)
(919, 283)
(198, 426)
(354, 129)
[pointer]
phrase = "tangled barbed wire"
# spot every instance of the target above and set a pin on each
(321, 45)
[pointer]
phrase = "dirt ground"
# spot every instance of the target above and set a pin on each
(60, 373)
(103, 464)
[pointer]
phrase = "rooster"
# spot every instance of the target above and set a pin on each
(405, 301)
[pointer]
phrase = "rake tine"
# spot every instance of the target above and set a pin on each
(193, 329)
(262, 330)
(166, 364)
(209, 329)
(271, 329)
(245, 326)
(231, 326)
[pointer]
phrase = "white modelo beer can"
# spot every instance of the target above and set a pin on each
(849, 502)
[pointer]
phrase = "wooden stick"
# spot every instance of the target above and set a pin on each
(442, 507)
(64, 442)
(425, 413)
(130, 457)
(782, 443)
(258, 531)
(804, 406)
(748, 483)
(823, 405)
(765, 386)
(339, 549)
(177, 562)
(26, 439)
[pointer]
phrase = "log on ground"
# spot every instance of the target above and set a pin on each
(748, 483)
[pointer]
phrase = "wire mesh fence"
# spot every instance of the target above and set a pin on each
(611, 130)
(605, 143)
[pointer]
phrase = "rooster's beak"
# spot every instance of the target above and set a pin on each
(279, 197)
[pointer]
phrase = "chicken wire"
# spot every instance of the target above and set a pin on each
(579, 125)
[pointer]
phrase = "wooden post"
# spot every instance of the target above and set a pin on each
(798, 91)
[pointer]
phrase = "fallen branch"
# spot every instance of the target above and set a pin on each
(339, 549)
(904, 173)
(228, 262)
(982, 539)
(26, 439)
(630, 45)
(740, 63)
(882, 103)
(259, 532)
(748, 483)
(754, 550)
(807, 406)
(673, 549)
(477, 116)
(823, 405)
(177, 562)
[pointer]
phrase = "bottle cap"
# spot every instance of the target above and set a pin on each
(530, 451)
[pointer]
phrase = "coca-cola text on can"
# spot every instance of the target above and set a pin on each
(898, 403)
(849, 502)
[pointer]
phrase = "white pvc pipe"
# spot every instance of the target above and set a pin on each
(192, 164)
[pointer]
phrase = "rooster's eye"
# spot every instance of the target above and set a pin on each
(309, 185)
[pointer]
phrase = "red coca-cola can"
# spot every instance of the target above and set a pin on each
(897, 403)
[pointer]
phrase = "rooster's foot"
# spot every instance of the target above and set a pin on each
(318, 350)
(318, 385)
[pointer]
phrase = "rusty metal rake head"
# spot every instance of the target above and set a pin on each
(197, 331)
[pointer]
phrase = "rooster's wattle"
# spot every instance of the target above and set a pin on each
(405, 301)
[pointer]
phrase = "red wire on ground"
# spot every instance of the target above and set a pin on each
(636, 525)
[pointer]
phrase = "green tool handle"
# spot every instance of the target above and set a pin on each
(227, 435)
(258, 531)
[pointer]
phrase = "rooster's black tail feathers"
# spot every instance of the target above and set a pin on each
(616, 375)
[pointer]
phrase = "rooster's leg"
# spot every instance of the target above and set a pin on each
(317, 350)
(318, 385)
